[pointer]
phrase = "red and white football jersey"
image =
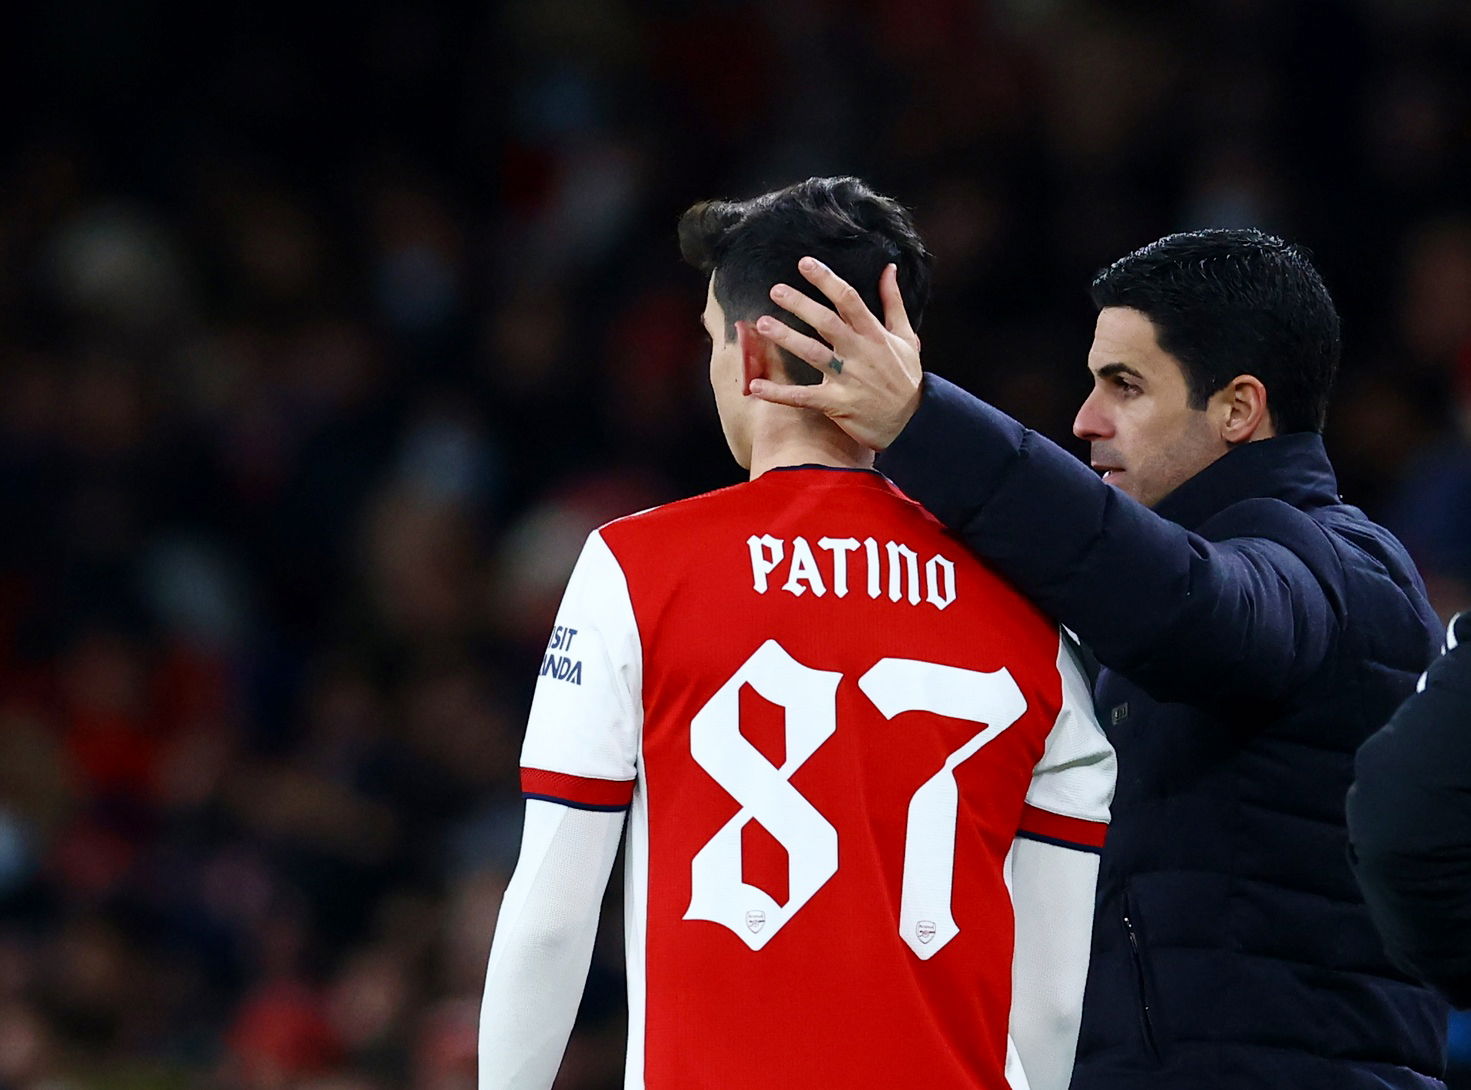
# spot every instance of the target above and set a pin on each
(830, 722)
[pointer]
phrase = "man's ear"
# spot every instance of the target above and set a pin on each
(1242, 404)
(756, 355)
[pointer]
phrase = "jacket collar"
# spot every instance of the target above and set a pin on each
(1293, 468)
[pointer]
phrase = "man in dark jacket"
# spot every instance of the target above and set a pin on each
(1252, 631)
(1409, 819)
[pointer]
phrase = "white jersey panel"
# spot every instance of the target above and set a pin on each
(1075, 777)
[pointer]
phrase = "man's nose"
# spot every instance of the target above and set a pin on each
(1092, 422)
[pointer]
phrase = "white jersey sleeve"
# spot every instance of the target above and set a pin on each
(1072, 785)
(1053, 874)
(582, 737)
(1052, 890)
(543, 944)
(580, 753)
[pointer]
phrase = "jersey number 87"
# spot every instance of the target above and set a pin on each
(766, 795)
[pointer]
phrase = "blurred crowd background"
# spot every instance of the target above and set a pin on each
(326, 334)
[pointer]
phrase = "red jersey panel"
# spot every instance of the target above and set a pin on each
(837, 723)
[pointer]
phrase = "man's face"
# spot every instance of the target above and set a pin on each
(1146, 439)
(727, 380)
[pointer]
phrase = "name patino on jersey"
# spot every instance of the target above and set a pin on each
(891, 569)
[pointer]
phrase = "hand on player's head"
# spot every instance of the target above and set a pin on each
(871, 370)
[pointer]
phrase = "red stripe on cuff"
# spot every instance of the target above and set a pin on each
(1056, 827)
(579, 790)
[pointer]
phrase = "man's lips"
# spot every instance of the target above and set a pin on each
(1106, 470)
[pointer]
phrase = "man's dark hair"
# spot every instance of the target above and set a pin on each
(1235, 302)
(750, 245)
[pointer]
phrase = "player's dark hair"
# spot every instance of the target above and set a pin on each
(1235, 302)
(750, 245)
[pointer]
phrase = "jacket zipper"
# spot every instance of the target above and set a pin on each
(1145, 1022)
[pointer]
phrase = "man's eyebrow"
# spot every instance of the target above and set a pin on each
(1108, 370)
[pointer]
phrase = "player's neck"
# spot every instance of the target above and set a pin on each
(794, 438)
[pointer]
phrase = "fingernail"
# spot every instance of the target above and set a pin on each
(779, 291)
(809, 264)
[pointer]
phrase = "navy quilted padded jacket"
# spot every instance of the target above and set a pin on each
(1252, 631)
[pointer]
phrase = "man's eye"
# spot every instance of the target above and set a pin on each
(1125, 387)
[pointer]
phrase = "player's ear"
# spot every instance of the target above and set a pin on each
(756, 355)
